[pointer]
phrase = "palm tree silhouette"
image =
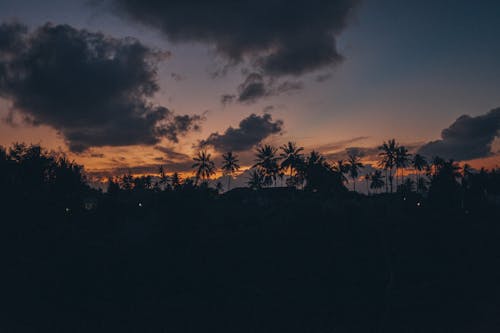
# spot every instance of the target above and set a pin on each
(367, 179)
(388, 161)
(402, 160)
(204, 166)
(267, 163)
(229, 166)
(342, 168)
(354, 165)
(291, 157)
(419, 163)
(175, 180)
(377, 181)
(256, 180)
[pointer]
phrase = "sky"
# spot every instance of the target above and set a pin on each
(130, 85)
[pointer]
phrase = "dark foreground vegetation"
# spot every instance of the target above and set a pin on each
(185, 258)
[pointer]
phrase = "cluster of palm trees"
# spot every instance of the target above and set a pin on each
(273, 164)
(288, 162)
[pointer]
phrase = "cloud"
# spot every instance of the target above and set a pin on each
(277, 37)
(337, 145)
(467, 138)
(250, 132)
(92, 88)
(256, 86)
(171, 154)
(368, 153)
(176, 76)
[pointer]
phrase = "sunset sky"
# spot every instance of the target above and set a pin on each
(128, 84)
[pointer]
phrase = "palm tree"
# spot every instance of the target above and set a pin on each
(229, 166)
(267, 163)
(376, 180)
(204, 166)
(388, 154)
(421, 185)
(419, 163)
(342, 168)
(367, 178)
(354, 165)
(402, 161)
(163, 178)
(291, 157)
(175, 180)
(256, 180)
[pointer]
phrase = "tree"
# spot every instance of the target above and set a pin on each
(163, 181)
(388, 162)
(402, 160)
(267, 163)
(419, 163)
(367, 179)
(320, 176)
(204, 166)
(291, 157)
(377, 181)
(127, 181)
(229, 166)
(113, 187)
(175, 180)
(342, 168)
(354, 165)
(256, 180)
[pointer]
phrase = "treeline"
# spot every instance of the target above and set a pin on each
(443, 181)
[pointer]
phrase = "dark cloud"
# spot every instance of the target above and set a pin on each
(467, 138)
(337, 145)
(92, 88)
(176, 77)
(256, 86)
(171, 154)
(370, 153)
(227, 99)
(323, 77)
(250, 132)
(278, 37)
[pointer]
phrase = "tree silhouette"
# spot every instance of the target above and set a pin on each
(402, 160)
(419, 163)
(229, 166)
(354, 165)
(255, 180)
(291, 157)
(267, 163)
(175, 181)
(342, 168)
(388, 162)
(377, 181)
(367, 179)
(204, 166)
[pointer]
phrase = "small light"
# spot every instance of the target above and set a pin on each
(140, 204)
(404, 199)
(67, 210)
(418, 204)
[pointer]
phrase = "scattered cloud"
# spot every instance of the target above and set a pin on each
(323, 77)
(337, 145)
(467, 138)
(176, 76)
(171, 154)
(256, 86)
(92, 88)
(250, 132)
